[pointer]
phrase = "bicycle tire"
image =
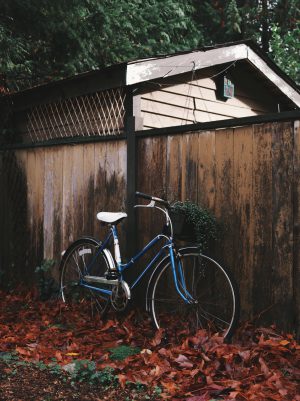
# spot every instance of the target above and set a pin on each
(72, 269)
(210, 284)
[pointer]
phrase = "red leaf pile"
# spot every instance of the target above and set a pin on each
(260, 364)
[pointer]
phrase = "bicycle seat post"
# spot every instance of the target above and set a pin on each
(116, 245)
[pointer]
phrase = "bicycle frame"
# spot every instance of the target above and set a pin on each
(167, 248)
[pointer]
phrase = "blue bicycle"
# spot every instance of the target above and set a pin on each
(186, 289)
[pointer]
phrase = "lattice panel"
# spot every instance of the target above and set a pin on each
(101, 113)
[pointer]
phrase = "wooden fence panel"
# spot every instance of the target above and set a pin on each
(282, 213)
(207, 169)
(53, 195)
(224, 195)
(243, 212)
(248, 176)
(89, 184)
(262, 208)
(244, 175)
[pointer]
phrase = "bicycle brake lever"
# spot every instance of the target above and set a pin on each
(151, 204)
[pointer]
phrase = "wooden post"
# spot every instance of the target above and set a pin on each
(131, 187)
(132, 107)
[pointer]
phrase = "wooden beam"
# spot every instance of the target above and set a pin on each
(63, 141)
(220, 124)
(78, 85)
(130, 122)
(166, 66)
(269, 73)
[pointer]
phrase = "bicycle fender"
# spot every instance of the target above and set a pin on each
(110, 259)
(106, 251)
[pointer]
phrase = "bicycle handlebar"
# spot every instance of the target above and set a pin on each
(152, 198)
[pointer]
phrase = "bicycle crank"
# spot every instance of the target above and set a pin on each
(120, 296)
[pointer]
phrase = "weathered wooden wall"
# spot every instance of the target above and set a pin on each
(249, 176)
(246, 176)
(54, 193)
(191, 100)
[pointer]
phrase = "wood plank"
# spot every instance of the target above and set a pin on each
(88, 185)
(154, 119)
(174, 170)
(68, 222)
(262, 213)
(282, 242)
(19, 218)
(39, 202)
(243, 215)
(77, 190)
(189, 167)
(100, 199)
(296, 211)
(48, 205)
(224, 196)
(57, 157)
(31, 191)
(151, 179)
(178, 64)
(182, 95)
(206, 145)
(192, 109)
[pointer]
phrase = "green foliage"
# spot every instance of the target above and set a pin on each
(285, 50)
(85, 371)
(204, 222)
(44, 280)
(122, 352)
(43, 40)
(157, 390)
(9, 357)
(55, 369)
(233, 18)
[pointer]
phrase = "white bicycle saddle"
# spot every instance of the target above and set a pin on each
(111, 218)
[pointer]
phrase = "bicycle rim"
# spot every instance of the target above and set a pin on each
(215, 306)
(81, 259)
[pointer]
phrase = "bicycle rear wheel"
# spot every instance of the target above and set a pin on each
(80, 259)
(212, 287)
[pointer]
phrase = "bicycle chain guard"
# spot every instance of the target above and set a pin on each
(120, 296)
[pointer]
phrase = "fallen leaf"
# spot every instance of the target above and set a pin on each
(122, 380)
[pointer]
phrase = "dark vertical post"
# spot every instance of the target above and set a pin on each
(131, 174)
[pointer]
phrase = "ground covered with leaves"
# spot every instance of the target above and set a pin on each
(49, 352)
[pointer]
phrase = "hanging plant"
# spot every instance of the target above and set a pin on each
(194, 223)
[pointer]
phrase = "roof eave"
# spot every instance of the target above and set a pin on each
(151, 69)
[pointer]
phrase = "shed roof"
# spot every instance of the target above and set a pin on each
(134, 73)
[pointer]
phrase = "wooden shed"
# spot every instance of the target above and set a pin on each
(218, 125)
(211, 84)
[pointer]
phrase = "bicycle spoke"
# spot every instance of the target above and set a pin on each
(81, 257)
(209, 285)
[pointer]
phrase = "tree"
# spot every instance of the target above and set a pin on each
(285, 50)
(43, 40)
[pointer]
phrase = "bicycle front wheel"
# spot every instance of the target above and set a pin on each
(211, 288)
(83, 258)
